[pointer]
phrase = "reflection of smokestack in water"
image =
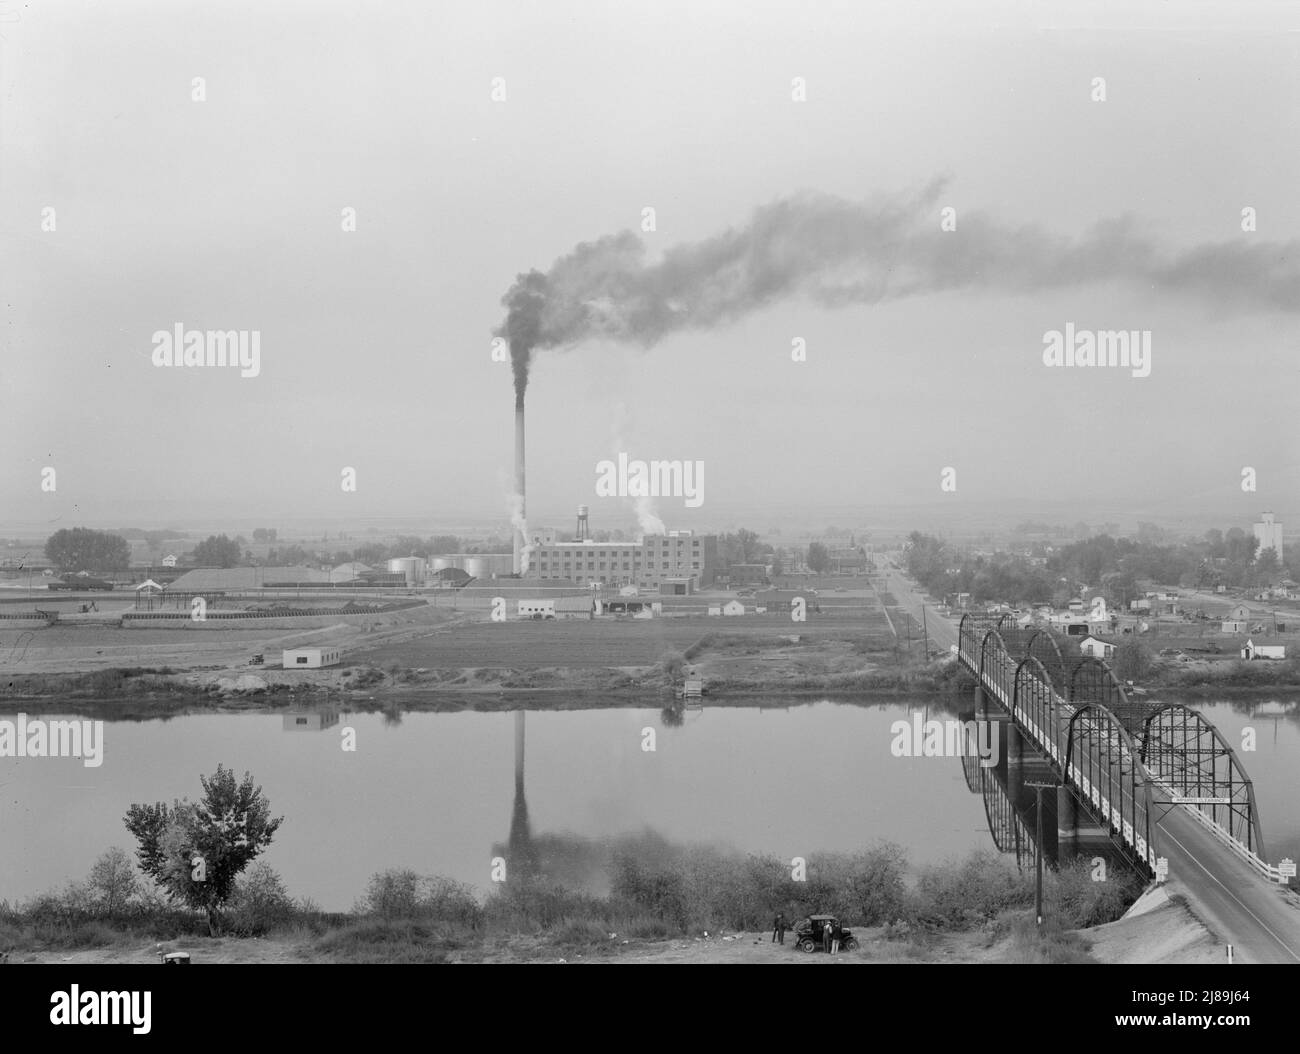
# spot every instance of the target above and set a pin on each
(519, 752)
(522, 517)
(523, 860)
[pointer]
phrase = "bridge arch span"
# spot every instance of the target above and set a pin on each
(1103, 760)
(1186, 754)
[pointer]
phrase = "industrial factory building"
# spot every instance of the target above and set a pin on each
(676, 562)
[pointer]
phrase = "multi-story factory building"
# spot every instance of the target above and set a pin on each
(676, 562)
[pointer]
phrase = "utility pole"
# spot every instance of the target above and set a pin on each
(1038, 850)
(925, 629)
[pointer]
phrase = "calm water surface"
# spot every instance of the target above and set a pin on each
(436, 792)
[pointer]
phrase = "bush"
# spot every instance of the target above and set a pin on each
(1079, 901)
(581, 933)
(402, 894)
(112, 886)
(391, 941)
(392, 894)
(531, 907)
(259, 903)
(1050, 944)
(366, 676)
(958, 895)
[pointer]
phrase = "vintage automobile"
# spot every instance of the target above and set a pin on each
(808, 935)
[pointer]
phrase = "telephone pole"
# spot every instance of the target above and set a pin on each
(1038, 849)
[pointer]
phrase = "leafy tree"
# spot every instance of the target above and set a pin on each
(289, 555)
(112, 883)
(819, 559)
(1266, 565)
(82, 549)
(195, 851)
(1132, 661)
(217, 551)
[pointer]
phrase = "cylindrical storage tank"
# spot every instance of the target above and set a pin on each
(478, 567)
(440, 563)
(410, 566)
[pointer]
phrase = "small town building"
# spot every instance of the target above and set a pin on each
(537, 609)
(733, 607)
(311, 658)
(1233, 625)
(1097, 649)
(1263, 651)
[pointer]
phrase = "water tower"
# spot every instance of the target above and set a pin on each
(583, 532)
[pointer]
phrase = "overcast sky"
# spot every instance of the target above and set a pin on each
(376, 344)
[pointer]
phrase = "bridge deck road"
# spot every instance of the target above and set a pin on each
(1261, 920)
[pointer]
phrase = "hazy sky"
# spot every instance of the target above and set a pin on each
(376, 343)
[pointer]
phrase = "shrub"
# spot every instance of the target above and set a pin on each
(259, 904)
(1079, 901)
(959, 894)
(392, 894)
(581, 933)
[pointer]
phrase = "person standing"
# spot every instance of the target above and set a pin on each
(826, 936)
(779, 927)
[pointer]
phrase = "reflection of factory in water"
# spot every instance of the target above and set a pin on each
(309, 720)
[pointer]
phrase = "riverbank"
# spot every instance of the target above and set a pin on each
(686, 909)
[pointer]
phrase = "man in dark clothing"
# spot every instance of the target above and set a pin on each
(826, 936)
(779, 927)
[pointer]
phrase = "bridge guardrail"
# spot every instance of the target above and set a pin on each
(975, 633)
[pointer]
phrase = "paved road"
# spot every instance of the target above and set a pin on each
(910, 597)
(1259, 919)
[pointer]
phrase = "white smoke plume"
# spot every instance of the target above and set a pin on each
(515, 506)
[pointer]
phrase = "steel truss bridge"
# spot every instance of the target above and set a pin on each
(1127, 761)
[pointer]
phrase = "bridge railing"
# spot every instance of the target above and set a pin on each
(1091, 745)
(1105, 768)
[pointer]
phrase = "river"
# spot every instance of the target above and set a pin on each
(436, 792)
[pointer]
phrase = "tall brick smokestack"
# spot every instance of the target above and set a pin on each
(521, 519)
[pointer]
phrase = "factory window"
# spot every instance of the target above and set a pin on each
(696, 565)
(665, 565)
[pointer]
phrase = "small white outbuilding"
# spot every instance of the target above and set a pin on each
(1263, 651)
(311, 658)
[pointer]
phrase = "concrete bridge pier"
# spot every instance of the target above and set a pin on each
(1015, 762)
(1067, 820)
(1077, 833)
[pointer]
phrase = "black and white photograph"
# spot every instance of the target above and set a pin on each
(692, 482)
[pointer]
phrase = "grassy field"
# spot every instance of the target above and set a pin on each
(582, 642)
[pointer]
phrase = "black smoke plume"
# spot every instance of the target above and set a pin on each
(837, 252)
